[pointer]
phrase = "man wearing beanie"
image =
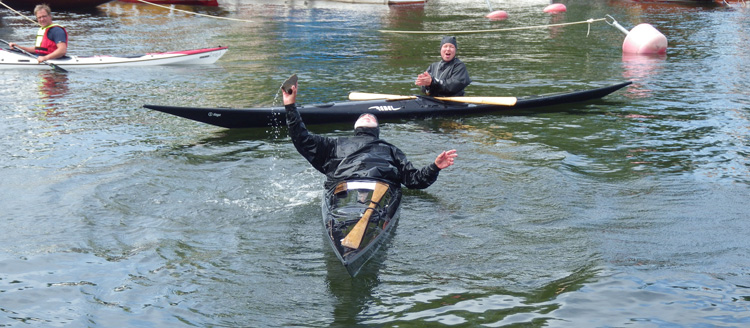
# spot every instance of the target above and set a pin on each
(448, 77)
(364, 155)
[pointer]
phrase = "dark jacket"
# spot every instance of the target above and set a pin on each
(449, 79)
(361, 156)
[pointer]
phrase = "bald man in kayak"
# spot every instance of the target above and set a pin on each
(51, 39)
(448, 77)
(364, 155)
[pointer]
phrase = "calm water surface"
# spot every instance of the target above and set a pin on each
(628, 211)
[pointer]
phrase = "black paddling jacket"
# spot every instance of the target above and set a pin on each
(361, 156)
(449, 79)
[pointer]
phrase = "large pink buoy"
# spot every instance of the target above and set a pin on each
(555, 8)
(644, 39)
(497, 15)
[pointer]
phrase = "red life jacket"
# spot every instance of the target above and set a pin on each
(45, 46)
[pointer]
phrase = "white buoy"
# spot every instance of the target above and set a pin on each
(642, 39)
(645, 39)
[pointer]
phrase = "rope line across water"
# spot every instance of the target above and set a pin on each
(194, 13)
(20, 14)
(588, 21)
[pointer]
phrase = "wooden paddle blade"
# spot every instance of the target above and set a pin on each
(354, 238)
(500, 101)
(377, 96)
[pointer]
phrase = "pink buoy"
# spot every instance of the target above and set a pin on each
(555, 8)
(644, 39)
(497, 15)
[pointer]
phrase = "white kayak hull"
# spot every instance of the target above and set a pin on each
(16, 60)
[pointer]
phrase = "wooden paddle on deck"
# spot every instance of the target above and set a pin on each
(377, 96)
(55, 67)
(500, 101)
(354, 238)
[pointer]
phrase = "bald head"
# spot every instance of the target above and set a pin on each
(366, 121)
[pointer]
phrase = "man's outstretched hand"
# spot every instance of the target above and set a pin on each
(445, 159)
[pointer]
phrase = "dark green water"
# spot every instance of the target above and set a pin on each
(628, 211)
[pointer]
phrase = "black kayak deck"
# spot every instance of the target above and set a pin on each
(349, 111)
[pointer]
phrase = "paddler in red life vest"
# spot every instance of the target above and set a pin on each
(51, 39)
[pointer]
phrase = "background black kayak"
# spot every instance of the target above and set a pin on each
(348, 111)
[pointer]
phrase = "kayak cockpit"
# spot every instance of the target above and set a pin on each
(349, 203)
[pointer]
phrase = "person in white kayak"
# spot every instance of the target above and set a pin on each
(51, 39)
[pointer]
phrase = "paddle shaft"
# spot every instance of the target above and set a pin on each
(354, 238)
(500, 101)
(55, 67)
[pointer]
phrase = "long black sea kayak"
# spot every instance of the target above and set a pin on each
(385, 110)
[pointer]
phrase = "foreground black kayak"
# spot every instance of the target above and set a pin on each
(373, 205)
(385, 110)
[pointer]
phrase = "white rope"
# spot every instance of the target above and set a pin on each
(20, 14)
(240, 20)
(198, 14)
(589, 21)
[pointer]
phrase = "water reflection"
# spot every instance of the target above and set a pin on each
(52, 86)
(407, 18)
(493, 306)
(353, 295)
(636, 8)
(140, 13)
(639, 69)
(402, 18)
(554, 31)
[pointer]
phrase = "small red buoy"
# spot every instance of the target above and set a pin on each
(497, 15)
(644, 39)
(555, 8)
